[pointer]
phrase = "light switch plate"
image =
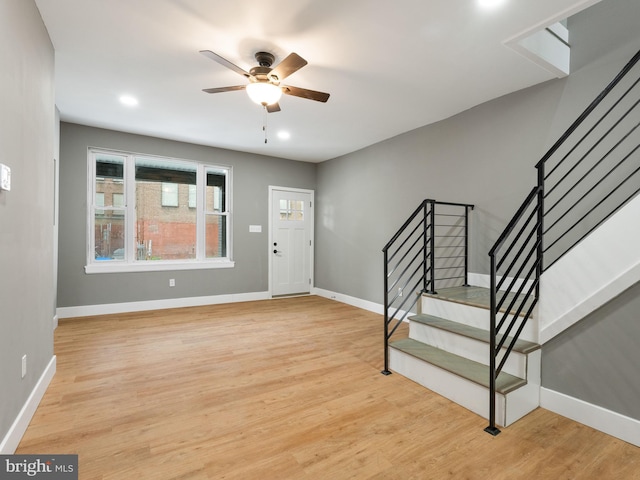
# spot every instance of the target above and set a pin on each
(5, 177)
(255, 228)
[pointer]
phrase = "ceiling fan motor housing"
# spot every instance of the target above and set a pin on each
(265, 59)
(262, 73)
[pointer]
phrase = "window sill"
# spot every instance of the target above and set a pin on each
(118, 267)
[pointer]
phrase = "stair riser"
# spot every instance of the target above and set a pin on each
(509, 408)
(470, 315)
(470, 348)
(468, 394)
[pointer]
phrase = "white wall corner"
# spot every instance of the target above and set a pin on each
(12, 439)
(547, 47)
(540, 43)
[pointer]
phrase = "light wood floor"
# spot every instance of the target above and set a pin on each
(280, 389)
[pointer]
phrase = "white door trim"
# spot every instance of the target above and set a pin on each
(311, 233)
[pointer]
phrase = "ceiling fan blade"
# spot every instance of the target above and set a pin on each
(289, 65)
(224, 89)
(223, 61)
(273, 108)
(305, 93)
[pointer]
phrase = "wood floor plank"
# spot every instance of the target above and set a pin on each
(280, 389)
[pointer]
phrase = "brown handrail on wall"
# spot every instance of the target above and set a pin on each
(411, 260)
(575, 192)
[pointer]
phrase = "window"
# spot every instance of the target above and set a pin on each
(154, 213)
(291, 210)
(169, 194)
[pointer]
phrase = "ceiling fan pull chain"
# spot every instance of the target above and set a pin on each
(264, 124)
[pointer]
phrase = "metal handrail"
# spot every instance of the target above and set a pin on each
(521, 258)
(413, 250)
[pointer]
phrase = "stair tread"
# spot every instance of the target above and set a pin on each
(469, 295)
(473, 371)
(521, 346)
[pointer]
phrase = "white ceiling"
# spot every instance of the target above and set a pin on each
(390, 67)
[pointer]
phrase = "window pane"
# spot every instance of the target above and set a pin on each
(99, 202)
(169, 194)
(109, 237)
(215, 194)
(118, 200)
(192, 196)
(109, 211)
(215, 236)
(164, 231)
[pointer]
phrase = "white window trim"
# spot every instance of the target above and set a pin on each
(131, 265)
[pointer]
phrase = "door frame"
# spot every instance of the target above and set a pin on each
(273, 188)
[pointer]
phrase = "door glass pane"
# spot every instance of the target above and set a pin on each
(291, 210)
(297, 210)
(165, 225)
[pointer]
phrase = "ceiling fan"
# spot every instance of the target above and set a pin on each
(264, 82)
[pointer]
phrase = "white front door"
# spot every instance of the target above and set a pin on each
(290, 245)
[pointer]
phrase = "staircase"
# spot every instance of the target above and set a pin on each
(480, 347)
(447, 351)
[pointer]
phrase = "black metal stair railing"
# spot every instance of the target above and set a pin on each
(431, 246)
(586, 176)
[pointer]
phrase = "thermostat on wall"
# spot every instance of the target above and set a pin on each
(5, 177)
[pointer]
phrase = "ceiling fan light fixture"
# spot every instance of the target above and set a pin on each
(264, 93)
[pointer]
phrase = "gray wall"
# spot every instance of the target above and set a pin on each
(597, 359)
(27, 118)
(252, 174)
(483, 156)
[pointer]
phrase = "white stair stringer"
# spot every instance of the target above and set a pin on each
(589, 276)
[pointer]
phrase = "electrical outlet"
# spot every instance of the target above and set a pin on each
(172, 282)
(24, 366)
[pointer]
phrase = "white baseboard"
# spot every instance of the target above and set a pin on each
(353, 301)
(12, 439)
(357, 302)
(55, 322)
(611, 423)
(110, 308)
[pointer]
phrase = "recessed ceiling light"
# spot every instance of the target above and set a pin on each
(128, 100)
(490, 3)
(284, 135)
